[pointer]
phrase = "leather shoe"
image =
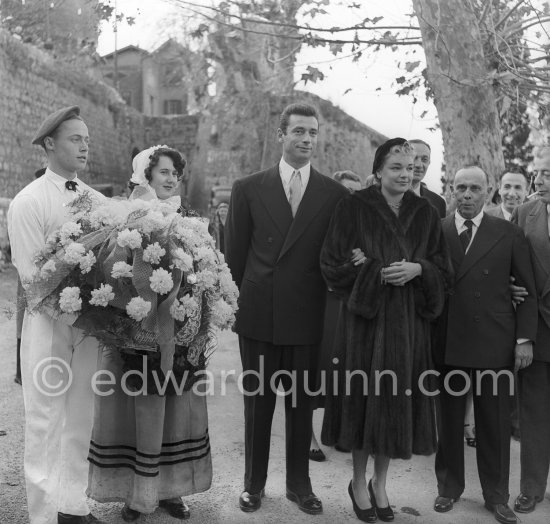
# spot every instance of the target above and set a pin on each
(65, 518)
(128, 514)
(502, 513)
(444, 504)
(308, 503)
(251, 501)
(526, 503)
(176, 508)
(317, 455)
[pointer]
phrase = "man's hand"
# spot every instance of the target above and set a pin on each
(524, 355)
(518, 293)
(399, 273)
(358, 257)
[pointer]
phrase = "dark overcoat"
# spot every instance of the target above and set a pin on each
(386, 328)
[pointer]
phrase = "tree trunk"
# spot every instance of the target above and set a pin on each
(462, 86)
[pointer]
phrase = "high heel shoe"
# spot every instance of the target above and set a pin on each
(385, 514)
(365, 515)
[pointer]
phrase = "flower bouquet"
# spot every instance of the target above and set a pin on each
(141, 278)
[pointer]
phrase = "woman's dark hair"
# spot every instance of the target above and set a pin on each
(385, 149)
(173, 154)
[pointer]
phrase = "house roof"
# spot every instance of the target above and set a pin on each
(126, 49)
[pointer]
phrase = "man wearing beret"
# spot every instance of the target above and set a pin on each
(57, 360)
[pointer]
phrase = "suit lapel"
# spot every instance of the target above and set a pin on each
(536, 228)
(455, 246)
(312, 202)
(273, 197)
(485, 239)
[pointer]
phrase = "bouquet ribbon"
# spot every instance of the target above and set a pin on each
(166, 325)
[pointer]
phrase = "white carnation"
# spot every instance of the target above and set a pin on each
(69, 300)
(153, 253)
(129, 238)
(68, 232)
(73, 253)
(183, 308)
(206, 279)
(102, 296)
(86, 262)
(161, 281)
(153, 221)
(182, 260)
(48, 267)
(138, 308)
(121, 269)
(222, 313)
(192, 278)
(206, 257)
(101, 217)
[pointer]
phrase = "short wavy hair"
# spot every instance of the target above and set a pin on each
(176, 157)
(296, 109)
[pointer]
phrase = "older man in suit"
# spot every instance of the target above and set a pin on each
(275, 227)
(534, 381)
(480, 331)
(422, 159)
(512, 189)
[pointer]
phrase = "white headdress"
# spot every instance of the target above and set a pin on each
(141, 163)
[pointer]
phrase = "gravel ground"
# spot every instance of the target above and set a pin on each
(411, 485)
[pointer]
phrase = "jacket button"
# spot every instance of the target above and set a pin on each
(485, 271)
(477, 318)
(451, 292)
(269, 240)
(477, 294)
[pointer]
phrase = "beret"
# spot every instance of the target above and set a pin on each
(53, 121)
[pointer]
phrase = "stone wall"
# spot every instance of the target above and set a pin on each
(33, 84)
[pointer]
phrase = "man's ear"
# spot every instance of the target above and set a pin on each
(49, 143)
(280, 134)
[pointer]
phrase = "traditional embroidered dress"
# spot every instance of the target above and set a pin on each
(148, 448)
(385, 327)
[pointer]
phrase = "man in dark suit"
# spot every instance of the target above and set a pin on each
(275, 228)
(480, 331)
(422, 159)
(534, 381)
(512, 189)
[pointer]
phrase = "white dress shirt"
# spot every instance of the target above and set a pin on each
(286, 171)
(35, 213)
(507, 216)
(460, 227)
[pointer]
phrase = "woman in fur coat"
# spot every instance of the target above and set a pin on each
(385, 257)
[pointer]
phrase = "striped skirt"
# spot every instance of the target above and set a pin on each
(148, 448)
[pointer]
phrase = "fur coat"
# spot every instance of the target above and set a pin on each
(383, 327)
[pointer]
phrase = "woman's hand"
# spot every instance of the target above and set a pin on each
(399, 273)
(358, 257)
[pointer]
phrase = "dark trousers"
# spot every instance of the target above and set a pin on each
(534, 402)
(267, 359)
(492, 421)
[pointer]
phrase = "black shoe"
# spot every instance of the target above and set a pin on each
(65, 518)
(17, 379)
(502, 513)
(526, 503)
(444, 504)
(317, 455)
(176, 508)
(385, 514)
(309, 503)
(251, 501)
(365, 515)
(128, 514)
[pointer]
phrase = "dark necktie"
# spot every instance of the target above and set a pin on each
(466, 235)
(71, 185)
